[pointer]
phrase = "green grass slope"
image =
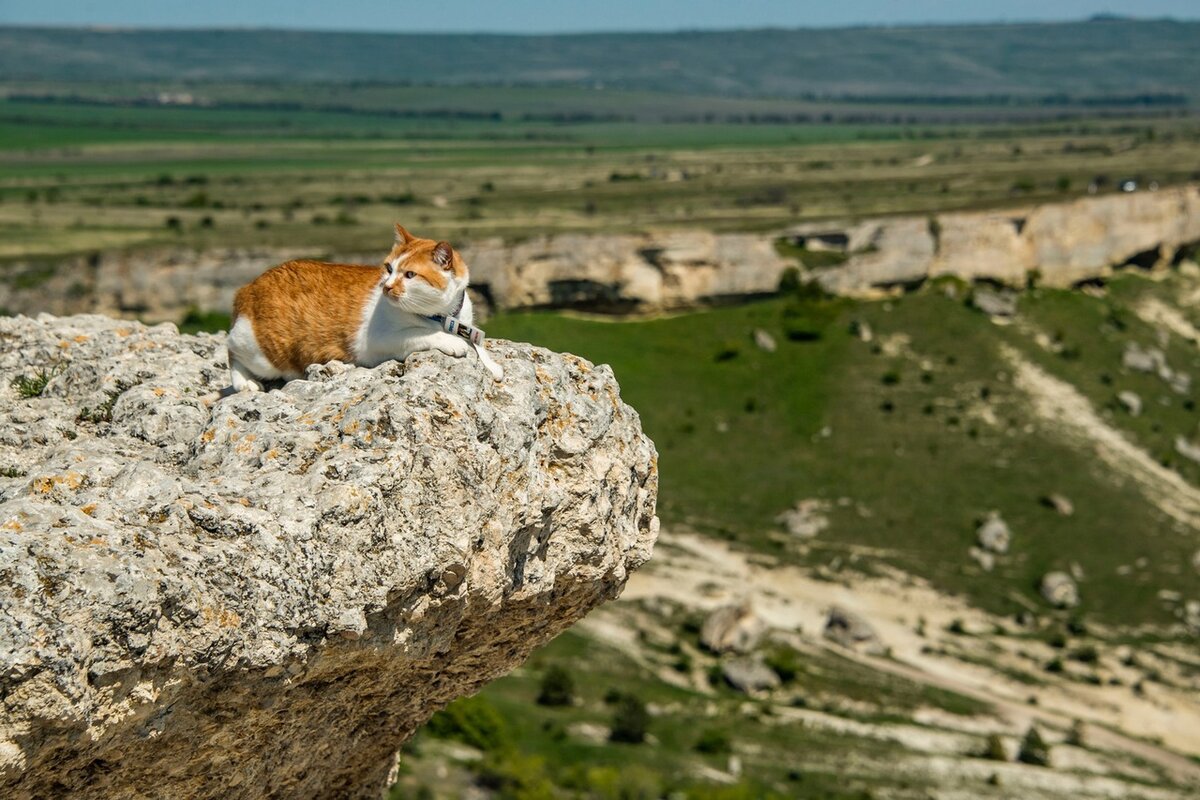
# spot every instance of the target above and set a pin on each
(912, 437)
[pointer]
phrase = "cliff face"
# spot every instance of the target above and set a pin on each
(265, 599)
(1062, 244)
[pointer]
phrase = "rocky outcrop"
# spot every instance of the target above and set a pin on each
(615, 273)
(732, 629)
(1059, 590)
(1059, 245)
(849, 629)
(265, 598)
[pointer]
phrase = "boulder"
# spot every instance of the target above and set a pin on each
(734, 628)
(268, 596)
(1060, 503)
(985, 558)
(1131, 401)
(993, 535)
(1188, 449)
(749, 675)
(806, 519)
(994, 302)
(849, 629)
(764, 340)
(1149, 359)
(1059, 590)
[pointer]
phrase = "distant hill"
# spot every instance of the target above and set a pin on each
(1153, 61)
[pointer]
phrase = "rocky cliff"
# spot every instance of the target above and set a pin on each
(266, 598)
(1058, 244)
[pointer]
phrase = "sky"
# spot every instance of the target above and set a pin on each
(555, 16)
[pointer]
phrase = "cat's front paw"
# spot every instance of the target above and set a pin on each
(452, 345)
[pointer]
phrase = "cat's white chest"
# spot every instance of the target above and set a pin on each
(386, 333)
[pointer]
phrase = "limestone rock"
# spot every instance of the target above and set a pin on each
(1188, 449)
(985, 558)
(764, 340)
(1150, 359)
(993, 535)
(849, 629)
(1087, 238)
(266, 598)
(732, 629)
(749, 675)
(983, 246)
(887, 253)
(1059, 590)
(1131, 401)
(993, 302)
(1063, 243)
(806, 519)
(1060, 503)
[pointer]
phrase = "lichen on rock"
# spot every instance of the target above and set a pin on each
(265, 598)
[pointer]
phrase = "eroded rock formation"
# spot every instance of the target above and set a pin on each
(1058, 244)
(265, 599)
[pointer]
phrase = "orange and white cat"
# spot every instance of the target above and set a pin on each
(311, 312)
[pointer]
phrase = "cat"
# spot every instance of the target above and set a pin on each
(310, 312)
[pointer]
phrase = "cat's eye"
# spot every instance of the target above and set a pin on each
(410, 274)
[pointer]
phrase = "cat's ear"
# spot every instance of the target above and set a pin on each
(403, 237)
(443, 255)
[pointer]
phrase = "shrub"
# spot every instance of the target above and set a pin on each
(728, 352)
(785, 662)
(713, 742)
(994, 749)
(629, 720)
(515, 777)
(473, 721)
(789, 280)
(558, 688)
(1086, 654)
(1034, 749)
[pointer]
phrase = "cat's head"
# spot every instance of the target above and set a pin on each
(423, 276)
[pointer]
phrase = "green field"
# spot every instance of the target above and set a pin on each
(79, 178)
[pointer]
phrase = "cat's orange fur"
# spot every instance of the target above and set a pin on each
(309, 312)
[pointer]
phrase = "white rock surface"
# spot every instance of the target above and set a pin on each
(732, 629)
(267, 598)
(1060, 590)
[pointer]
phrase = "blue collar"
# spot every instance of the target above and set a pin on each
(450, 323)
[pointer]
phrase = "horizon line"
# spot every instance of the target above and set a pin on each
(135, 28)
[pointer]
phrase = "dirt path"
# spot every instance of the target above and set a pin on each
(700, 572)
(1059, 403)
